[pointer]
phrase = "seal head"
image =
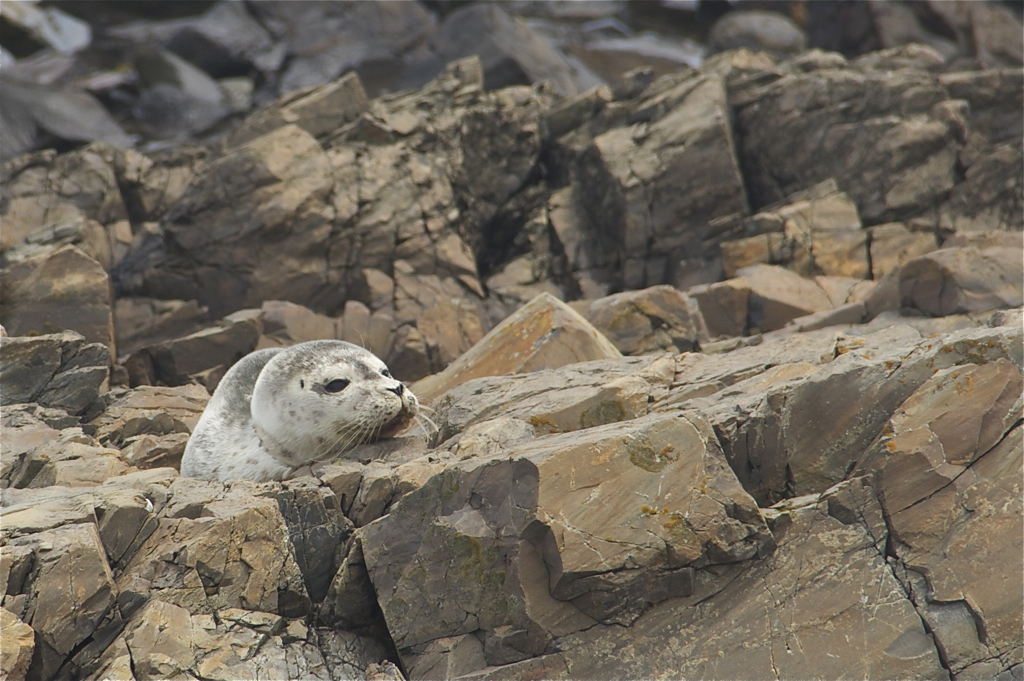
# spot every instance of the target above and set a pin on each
(277, 410)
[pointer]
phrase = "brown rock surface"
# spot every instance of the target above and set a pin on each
(825, 484)
(66, 291)
(639, 322)
(957, 280)
(526, 524)
(543, 333)
(17, 643)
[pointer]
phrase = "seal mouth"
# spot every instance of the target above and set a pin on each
(395, 425)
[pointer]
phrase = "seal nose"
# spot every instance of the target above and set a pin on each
(398, 390)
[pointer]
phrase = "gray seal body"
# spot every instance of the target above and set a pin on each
(279, 409)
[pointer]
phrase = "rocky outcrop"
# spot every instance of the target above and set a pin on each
(721, 366)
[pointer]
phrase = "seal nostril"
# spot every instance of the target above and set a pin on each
(398, 389)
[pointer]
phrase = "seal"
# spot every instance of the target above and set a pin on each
(279, 409)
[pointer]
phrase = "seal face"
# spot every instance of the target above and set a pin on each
(279, 409)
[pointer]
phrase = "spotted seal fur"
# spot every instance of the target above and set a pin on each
(280, 409)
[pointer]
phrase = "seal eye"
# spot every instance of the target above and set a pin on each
(385, 373)
(336, 386)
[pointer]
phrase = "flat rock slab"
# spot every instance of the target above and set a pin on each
(574, 397)
(560, 533)
(544, 333)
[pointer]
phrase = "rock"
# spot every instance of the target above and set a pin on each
(723, 307)
(70, 591)
(324, 42)
(778, 295)
(376, 201)
(293, 323)
(66, 291)
(892, 244)
(987, 199)
(509, 547)
(657, 318)
(544, 333)
(71, 459)
(802, 436)
(16, 645)
(891, 165)
(151, 451)
(163, 640)
(139, 322)
(176, 362)
(643, 192)
(957, 280)
(149, 410)
(317, 531)
(152, 185)
(56, 370)
(221, 41)
(954, 418)
(814, 231)
(317, 110)
(217, 547)
(52, 200)
(848, 584)
(758, 31)
(177, 98)
(961, 593)
(510, 51)
(32, 113)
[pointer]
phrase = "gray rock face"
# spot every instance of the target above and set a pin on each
(57, 370)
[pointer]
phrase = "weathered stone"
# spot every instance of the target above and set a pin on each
(511, 53)
(139, 322)
(954, 417)
(756, 30)
(152, 185)
(48, 197)
(149, 410)
(803, 436)
(152, 451)
(67, 290)
(163, 640)
(892, 244)
(960, 546)
(650, 195)
(227, 548)
(17, 643)
(526, 533)
(575, 397)
(778, 295)
(71, 591)
(57, 370)
(956, 280)
(176, 98)
(317, 110)
(829, 582)
(639, 322)
(317, 529)
(175, 362)
(723, 307)
(72, 459)
(806, 127)
(544, 333)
